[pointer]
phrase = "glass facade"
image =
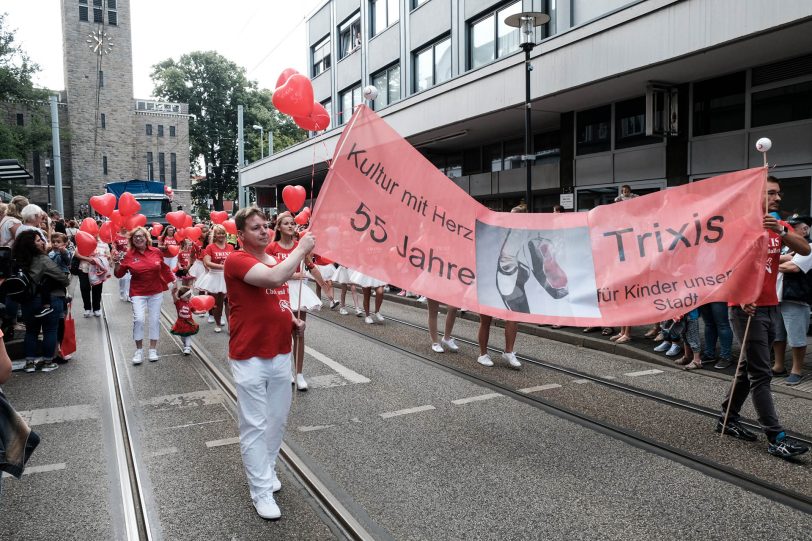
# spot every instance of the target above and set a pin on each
(388, 84)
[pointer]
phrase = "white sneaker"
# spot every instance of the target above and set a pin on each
(343, 311)
(511, 359)
(97, 313)
(301, 384)
(674, 350)
(276, 486)
(266, 507)
(187, 350)
(449, 344)
(359, 312)
(422, 300)
(368, 320)
(663, 346)
(122, 297)
(88, 313)
(153, 355)
(437, 348)
(210, 319)
(218, 329)
(485, 360)
(138, 358)
(378, 316)
(222, 321)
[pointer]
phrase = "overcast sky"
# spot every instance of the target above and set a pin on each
(262, 36)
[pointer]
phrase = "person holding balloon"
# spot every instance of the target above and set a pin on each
(213, 282)
(121, 242)
(185, 325)
(168, 244)
(150, 277)
(94, 266)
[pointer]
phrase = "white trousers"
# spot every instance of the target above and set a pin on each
(151, 305)
(263, 398)
(124, 285)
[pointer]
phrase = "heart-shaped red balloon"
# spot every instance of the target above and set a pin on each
(284, 76)
(107, 232)
(294, 197)
(218, 216)
(317, 120)
(127, 205)
(303, 217)
(188, 221)
(295, 97)
(156, 230)
(173, 250)
(192, 233)
(103, 204)
(89, 226)
(136, 220)
(231, 227)
(117, 218)
(177, 218)
(180, 234)
(201, 303)
(85, 243)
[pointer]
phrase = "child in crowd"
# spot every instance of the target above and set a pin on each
(185, 326)
(185, 255)
(691, 360)
(672, 338)
(61, 255)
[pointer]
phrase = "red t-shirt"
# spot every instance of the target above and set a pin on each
(218, 255)
(769, 296)
(260, 320)
(185, 259)
(121, 242)
(167, 242)
(278, 252)
(145, 270)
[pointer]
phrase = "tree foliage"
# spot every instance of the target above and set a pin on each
(214, 86)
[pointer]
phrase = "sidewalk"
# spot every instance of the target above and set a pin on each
(639, 348)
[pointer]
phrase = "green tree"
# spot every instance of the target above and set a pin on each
(214, 86)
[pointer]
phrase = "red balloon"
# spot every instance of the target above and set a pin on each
(90, 226)
(284, 76)
(127, 205)
(295, 97)
(158, 227)
(294, 197)
(107, 232)
(303, 217)
(218, 216)
(85, 243)
(117, 218)
(136, 220)
(103, 204)
(177, 218)
(192, 233)
(201, 303)
(179, 234)
(188, 221)
(231, 227)
(317, 120)
(173, 250)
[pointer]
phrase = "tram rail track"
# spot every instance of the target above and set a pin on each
(744, 480)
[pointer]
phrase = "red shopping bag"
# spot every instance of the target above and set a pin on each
(68, 345)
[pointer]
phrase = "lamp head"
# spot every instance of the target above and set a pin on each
(526, 22)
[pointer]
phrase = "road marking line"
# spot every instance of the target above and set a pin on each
(313, 428)
(195, 398)
(194, 424)
(540, 388)
(220, 443)
(64, 414)
(608, 377)
(644, 373)
(397, 413)
(164, 451)
(41, 469)
(343, 371)
(476, 398)
(580, 381)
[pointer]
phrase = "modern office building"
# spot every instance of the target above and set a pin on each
(709, 77)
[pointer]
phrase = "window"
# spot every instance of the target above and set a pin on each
(160, 130)
(321, 56)
(382, 14)
(103, 120)
(104, 165)
(593, 130)
(98, 13)
(172, 131)
(328, 105)
(388, 84)
(161, 167)
(514, 150)
(783, 104)
(491, 38)
(173, 169)
(432, 65)
(149, 129)
(101, 79)
(149, 166)
(82, 10)
(112, 13)
(719, 105)
(416, 3)
(20, 119)
(349, 99)
(349, 36)
(630, 124)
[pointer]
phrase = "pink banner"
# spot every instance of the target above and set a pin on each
(388, 212)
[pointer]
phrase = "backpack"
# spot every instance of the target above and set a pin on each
(20, 286)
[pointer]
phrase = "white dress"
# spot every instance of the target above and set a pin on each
(342, 275)
(213, 281)
(363, 280)
(197, 269)
(310, 301)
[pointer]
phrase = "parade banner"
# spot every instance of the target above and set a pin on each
(387, 212)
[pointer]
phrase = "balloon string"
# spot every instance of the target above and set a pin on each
(299, 300)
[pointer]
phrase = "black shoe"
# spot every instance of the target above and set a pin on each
(707, 360)
(723, 363)
(783, 447)
(59, 359)
(44, 312)
(737, 430)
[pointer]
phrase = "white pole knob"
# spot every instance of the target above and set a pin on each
(764, 144)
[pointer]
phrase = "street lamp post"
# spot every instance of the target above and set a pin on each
(261, 132)
(526, 22)
(48, 181)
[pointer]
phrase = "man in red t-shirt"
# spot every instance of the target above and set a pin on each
(755, 379)
(259, 347)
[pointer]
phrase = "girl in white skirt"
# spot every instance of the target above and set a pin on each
(367, 284)
(165, 243)
(342, 276)
(323, 276)
(213, 282)
(300, 295)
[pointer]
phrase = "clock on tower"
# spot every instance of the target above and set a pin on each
(100, 42)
